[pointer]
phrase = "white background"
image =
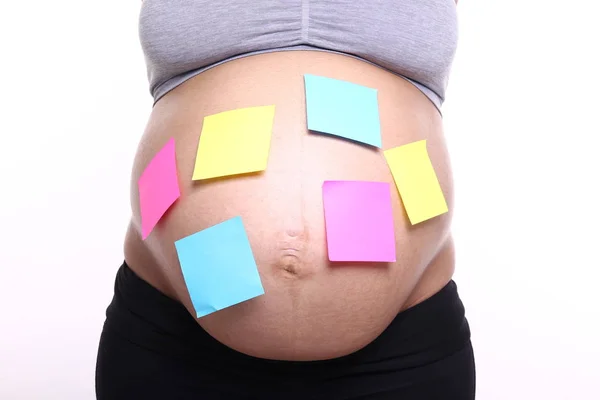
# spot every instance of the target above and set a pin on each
(522, 126)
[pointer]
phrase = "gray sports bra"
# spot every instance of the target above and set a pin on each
(415, 39)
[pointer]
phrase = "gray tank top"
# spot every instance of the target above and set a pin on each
(415, 39)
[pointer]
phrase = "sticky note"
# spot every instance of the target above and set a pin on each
(218, 267)
(158, 187)
(234, 142)
(416, 181)
(359, 222)
(342, 109)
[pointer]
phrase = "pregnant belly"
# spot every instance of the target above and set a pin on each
(311, 308)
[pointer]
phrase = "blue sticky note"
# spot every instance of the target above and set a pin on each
(343, 109)
(218, 267)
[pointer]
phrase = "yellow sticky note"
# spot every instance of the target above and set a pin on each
(234, 142)
(416, 181)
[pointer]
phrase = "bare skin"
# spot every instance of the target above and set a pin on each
(311, 309)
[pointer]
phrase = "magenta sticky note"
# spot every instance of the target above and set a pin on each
(359, 221)
(158, 187)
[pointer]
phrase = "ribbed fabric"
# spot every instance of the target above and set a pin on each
(415, 39)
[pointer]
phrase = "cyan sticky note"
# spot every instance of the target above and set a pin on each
(359, 221)
(342, 109)
(218, 267)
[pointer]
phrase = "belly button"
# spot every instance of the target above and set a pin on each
(290, 263)
(290, 257)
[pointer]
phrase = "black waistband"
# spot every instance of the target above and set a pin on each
(429, 331)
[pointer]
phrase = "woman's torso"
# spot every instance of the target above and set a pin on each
(311, 309)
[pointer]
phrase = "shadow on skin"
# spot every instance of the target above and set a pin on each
(366, 146)
(358, 264)
(228, 178)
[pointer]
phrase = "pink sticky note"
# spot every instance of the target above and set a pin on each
(359, 221)
(158, 187)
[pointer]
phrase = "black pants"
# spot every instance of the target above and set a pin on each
(152, 348)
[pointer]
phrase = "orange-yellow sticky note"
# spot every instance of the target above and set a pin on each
(234, 142)
(416, 181)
